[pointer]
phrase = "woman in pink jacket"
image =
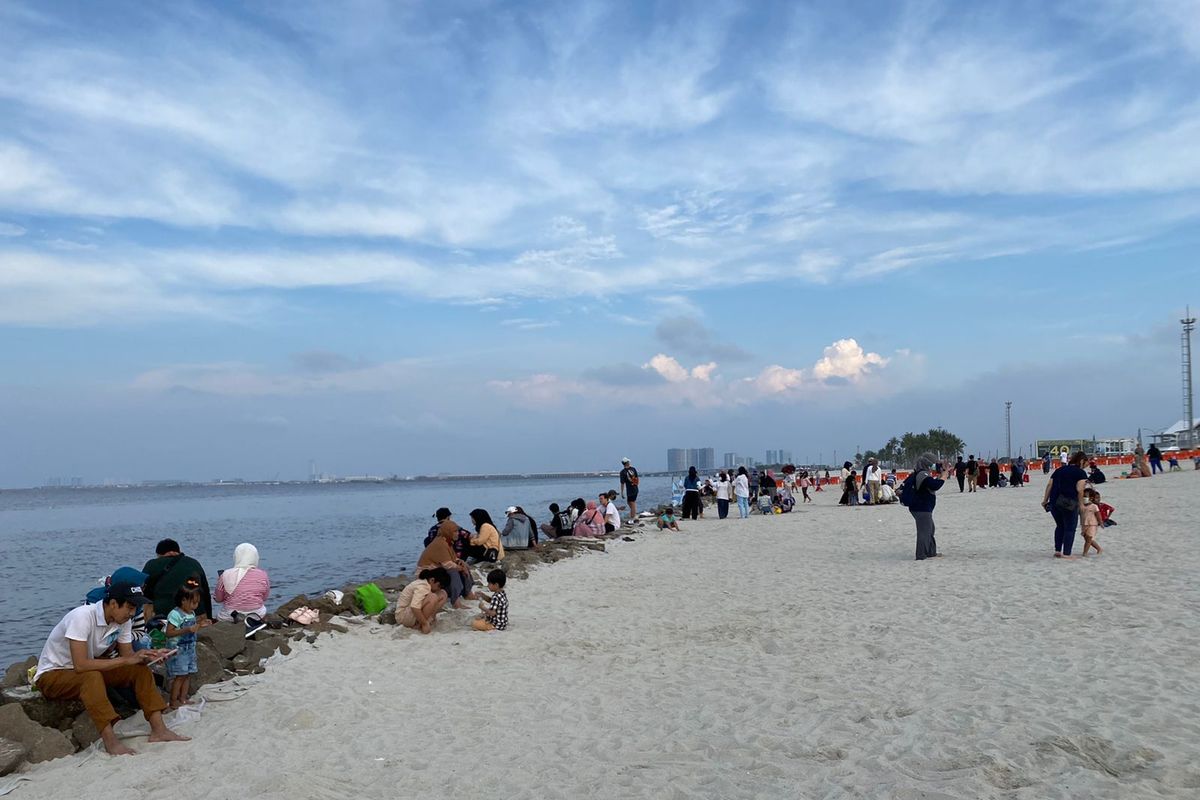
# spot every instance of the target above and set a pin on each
(243, 588)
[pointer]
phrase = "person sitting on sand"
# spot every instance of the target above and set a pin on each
(485, 545)
(612, 515)
(667, 521)
(440, 553)
(1091, 521)
(495, 611)
(70, 667)
(244, 588)
(420, 601)
(560, 523)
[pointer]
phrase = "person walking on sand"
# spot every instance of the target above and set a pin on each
(741, 490)
(972, 473)
(724, 489)
(1091, 521)
(873, 476)
(960, 472)
(1156, 458)
(918, 494)
(629, 488)
(1062, 498)
(691, 495)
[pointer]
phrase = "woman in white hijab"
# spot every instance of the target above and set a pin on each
(244, 588)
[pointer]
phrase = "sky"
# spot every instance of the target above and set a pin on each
(419, 237)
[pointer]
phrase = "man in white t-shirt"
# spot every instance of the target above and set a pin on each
(612, 517)
(874, 477)
(70, 667)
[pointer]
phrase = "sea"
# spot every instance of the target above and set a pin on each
(56, 544)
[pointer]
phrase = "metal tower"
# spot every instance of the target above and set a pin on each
(1008, 428)
(1185, 342)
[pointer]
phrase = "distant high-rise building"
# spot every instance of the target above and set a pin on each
(676, 460)
(707, 461)
(731, 460)
(772, 457)
(785, 456)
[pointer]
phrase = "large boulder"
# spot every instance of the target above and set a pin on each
(18, 674)
(392, 584)
(210, 667)
(227, 638)
(57, 714)
(11, 755)
(41, 743)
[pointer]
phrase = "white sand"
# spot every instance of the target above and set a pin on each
(822, 662)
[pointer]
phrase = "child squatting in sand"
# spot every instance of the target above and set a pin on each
(1091, 519)
(495, 612)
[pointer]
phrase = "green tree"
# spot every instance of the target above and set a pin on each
(902, 451)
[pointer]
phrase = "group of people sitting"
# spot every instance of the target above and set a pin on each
(877, 487)
(141, 617)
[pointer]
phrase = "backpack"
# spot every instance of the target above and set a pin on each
(908, 490)
(564, 522)
(433, 532)
(370, 598)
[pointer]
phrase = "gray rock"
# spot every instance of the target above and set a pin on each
(291, 605)
(389, 584)
(57, 714)
(210, 667)
(83, 731)
(11, 755)
(18, 674)
(227, 638)
(41, 743)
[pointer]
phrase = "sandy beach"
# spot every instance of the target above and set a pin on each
(805, 655)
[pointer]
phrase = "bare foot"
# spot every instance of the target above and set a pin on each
(118, 749)
(1070, 558)
(458, 604)
(1058, 555)
(168, 735)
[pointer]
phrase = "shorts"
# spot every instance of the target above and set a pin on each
(406, 617)
(183, 662)
(631, 492)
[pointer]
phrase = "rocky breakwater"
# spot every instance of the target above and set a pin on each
(34, 729)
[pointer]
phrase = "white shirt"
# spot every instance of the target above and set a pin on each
(873, 474)
(83, 624)
(722, 490)
(611, 515)
(741, 486)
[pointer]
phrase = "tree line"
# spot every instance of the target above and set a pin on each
(903, 450)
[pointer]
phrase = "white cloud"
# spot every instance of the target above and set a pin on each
(8, 229)
(668, 367)
(846, 359)
(704, 372)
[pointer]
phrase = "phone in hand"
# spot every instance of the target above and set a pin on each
(162, 656)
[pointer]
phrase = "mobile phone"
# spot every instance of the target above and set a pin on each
(162, 657)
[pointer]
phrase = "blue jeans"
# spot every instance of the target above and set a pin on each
(1065, 523)
(183, 662)
(722, 508)
(1155, 465)
(743, 507)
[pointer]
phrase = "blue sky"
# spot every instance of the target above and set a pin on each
(402, 237)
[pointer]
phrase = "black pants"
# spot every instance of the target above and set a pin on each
(722, 508)
(691, 505)
(609, 527)
(962, 481)
(481, 553)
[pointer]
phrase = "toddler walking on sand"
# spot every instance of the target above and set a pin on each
(1092, 520)
(495, 612)
(181, 637)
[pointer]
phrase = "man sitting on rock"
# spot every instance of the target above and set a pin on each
(70, 667)
(170, 570)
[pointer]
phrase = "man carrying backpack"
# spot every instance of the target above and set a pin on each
(917, 494)
(629, 488)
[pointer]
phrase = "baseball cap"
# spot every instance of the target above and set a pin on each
(510, 509)
(625, 460)
(442, 513)
(130, 593)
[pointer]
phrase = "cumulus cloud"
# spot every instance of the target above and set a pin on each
(668, 367)
(846, 359)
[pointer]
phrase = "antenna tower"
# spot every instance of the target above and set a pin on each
(1185, 342)
(1008, 428)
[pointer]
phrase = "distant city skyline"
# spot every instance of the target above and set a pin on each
(422, 238)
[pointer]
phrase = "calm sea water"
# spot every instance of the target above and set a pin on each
(56, 543)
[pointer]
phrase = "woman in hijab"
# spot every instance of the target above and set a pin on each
(244, 587)
(590, 522)
(691, 494)
(921, 499)
(485, 545)
(440, 553)
(994, 474)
